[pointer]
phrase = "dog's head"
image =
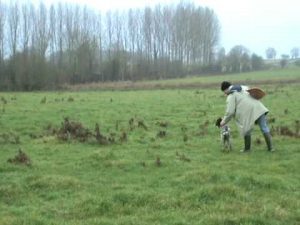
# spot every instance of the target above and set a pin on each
(218, 122)
(225, 131)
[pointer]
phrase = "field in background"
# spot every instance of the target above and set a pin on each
(157, 161)
(289, 75)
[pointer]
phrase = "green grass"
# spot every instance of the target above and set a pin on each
(290, 75)
(278, 74)
(73, 182)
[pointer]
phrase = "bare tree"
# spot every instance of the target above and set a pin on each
(26, 28)
(180, 32)
(212, 31)
(109, 32)
(3, 75)
(86, 51)
(238, 59)
(132, 31)
(295, 53)
(2, 23)
(23, 65)
(14, 24)
(70, 43)
(148, 32)
(59, 35)
(257, 62)
(99, 40)
(271, 53)
(52, 33)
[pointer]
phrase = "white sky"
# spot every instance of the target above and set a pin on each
(255, 24)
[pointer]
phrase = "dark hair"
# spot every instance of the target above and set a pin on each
(218, 122)
(225, 85)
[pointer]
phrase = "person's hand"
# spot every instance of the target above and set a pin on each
(222, 123)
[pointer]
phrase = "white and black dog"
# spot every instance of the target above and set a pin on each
(225, 136)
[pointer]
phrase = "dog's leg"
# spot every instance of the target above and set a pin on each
(227, 146)
(227, 142)
(222, 142)
(230, 146)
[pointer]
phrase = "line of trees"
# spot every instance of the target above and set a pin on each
(294, 54)
(237, 60)
(43, 47)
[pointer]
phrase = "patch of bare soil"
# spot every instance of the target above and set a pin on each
(20, 158)
(72, 129)
(129, 85)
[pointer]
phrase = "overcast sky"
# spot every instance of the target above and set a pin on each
(255, 24)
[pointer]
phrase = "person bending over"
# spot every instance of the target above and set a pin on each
(247, 111)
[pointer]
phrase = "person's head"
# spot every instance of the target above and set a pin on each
(225, 85)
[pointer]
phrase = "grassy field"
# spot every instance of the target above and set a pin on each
(290, 75)
(157, 158)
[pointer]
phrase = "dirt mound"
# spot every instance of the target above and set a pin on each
(286, 130)
(20, 158)
(73, 130)
(144, 85)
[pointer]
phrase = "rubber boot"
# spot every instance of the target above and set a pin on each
(247, 143)
(268, 139)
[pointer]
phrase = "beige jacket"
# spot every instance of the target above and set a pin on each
(245, 109)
